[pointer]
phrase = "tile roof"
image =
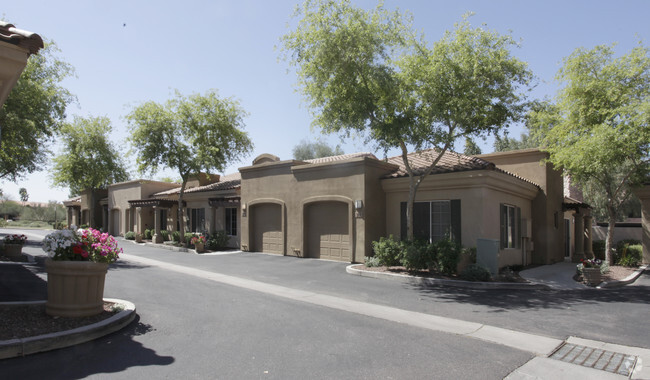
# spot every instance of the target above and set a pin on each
(227, 182)
(449, 162)
(340, 157)
(32, 42)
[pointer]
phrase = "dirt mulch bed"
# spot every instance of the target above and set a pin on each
(506, 276)
(22, 321)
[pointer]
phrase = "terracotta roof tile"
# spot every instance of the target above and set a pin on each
(340, 157)
(450, 162)
(21, 38)
(227, 182)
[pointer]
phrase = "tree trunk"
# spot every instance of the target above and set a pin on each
(609, 242)
(91, 209)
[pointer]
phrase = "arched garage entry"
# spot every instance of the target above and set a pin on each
(266, 233)
(327, 230)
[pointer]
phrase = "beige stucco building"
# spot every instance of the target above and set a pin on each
(335, 207)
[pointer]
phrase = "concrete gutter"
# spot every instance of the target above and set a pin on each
(31, 345)
(415, 280)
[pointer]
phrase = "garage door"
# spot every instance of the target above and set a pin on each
(267, 228)
(327, 231)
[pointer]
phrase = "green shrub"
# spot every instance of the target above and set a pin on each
(147, 234)
(165, 235)
(633, 256)
(475, 272)
(176, 236)
(417, 254)
(129, 235)
(58, 225)
(621, 249)
(217, 240)
(387, 251)
(371, 262)
(448, 255)
(83, 226)
(598, 246)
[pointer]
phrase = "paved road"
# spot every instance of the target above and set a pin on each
(196, 328)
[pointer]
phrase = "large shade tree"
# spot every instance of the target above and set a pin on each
(189, 134)
(368, 72)
(32, 114)
(88, 159)
(598, 129)
(306, 150)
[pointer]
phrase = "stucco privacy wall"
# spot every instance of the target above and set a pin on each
(480, 192)
(294, 186)
(547, 225)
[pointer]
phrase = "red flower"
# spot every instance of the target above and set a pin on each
(77, 250)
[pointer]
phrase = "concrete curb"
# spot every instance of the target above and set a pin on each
(26, 346)
(628, 280)
(415, 280)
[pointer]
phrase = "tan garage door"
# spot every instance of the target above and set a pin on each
(327, 231)
(267, 228)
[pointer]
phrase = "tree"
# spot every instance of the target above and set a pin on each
(306, 150)
(88, 160)
(471, 149)
(188, 134)
(368, 72)
(598, 131)
(24, 197)
(33, 113)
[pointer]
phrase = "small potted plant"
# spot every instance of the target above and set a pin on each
(14, 245)
(76, 270)
(591, 270)
(199, 243)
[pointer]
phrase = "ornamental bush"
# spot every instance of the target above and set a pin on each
(165, 235)
(81, 245)
(176, 236)
(632, 257)
(217, 241)
(448, 255)
(387, 251)
(475, 272)
(129, 235)
(417, 254)
(148, 234)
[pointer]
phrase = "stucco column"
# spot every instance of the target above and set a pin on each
(132, 219)
(644, 195)
(579, 253)
(157, 237)
(589, 251)
(69, 216)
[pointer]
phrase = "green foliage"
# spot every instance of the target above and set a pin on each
(632, 257)
(130, 235)
(189, 236)
(306, 150)
(176, 236)
(165, 235)
(32, 114)
(370, 73)
(598, 129)
(88, 159)
(58, 225)
(148, 234)
(371, 261)
(417, 254)
(217, 241)
(471, 149)
(475, 272)
(189, 134)
(448, 255)
(24, 197)
(387, 251)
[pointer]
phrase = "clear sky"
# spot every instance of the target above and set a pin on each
(128, 52)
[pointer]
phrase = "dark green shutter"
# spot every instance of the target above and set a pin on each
(503, 213)
(402, 220)
(518, 228)
(456, 226)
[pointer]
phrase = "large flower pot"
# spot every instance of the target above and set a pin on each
(592, 276)
(199, 247)
(13, 251)
(75, 288)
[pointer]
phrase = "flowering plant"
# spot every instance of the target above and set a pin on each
(15, 239)
(197, 239)
(81, 245)
(591, 263)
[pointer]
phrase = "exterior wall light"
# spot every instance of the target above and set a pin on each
(358, 204)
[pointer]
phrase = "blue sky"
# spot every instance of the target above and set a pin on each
(194, 46)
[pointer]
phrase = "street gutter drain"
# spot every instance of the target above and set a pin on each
(609, 361)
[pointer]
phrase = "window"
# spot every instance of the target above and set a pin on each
(434, 220)
(197, 219)
(231, 221)
(510, 226)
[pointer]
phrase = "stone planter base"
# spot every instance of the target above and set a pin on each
(592, 276)
(199, 247)
(75, 288)
(14, 251)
